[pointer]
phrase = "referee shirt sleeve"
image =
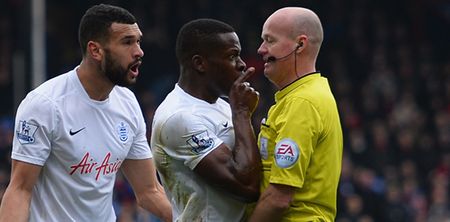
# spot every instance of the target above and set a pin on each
(300, 125)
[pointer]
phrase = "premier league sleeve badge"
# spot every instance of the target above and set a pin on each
(25, 132)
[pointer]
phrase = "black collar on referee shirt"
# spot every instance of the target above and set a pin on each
(315, 72)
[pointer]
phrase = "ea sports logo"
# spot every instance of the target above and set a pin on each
(286, 153)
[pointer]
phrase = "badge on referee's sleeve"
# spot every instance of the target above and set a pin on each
(286, 153)
(263, 151)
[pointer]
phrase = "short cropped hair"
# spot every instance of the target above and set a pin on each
(199, 36)
(96, 22)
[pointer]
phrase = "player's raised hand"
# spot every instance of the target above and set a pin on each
(242, 96)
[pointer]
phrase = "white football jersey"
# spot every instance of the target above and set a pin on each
(80, 144)
(185, 130)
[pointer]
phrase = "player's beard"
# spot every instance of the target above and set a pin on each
(114, 71)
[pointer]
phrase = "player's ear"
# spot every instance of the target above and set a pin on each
(95, 50)
(198, 63)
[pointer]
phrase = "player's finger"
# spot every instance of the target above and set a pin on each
(249, 72)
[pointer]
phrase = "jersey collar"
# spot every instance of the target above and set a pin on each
(300, 81)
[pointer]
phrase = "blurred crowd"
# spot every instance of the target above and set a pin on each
(387, 61)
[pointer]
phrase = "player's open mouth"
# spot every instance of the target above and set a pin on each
(134, 69)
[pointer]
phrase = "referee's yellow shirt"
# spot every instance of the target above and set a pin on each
(301, 146)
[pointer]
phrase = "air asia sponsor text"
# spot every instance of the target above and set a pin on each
(87, 165)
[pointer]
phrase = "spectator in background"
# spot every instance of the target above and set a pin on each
(75, 131)
(301, 141)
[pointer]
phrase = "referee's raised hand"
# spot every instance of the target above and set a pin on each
(243, 97)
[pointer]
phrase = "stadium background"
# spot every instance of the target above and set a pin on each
(388, 63)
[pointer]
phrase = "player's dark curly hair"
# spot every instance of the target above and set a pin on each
(198, 37)
(96, 22)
